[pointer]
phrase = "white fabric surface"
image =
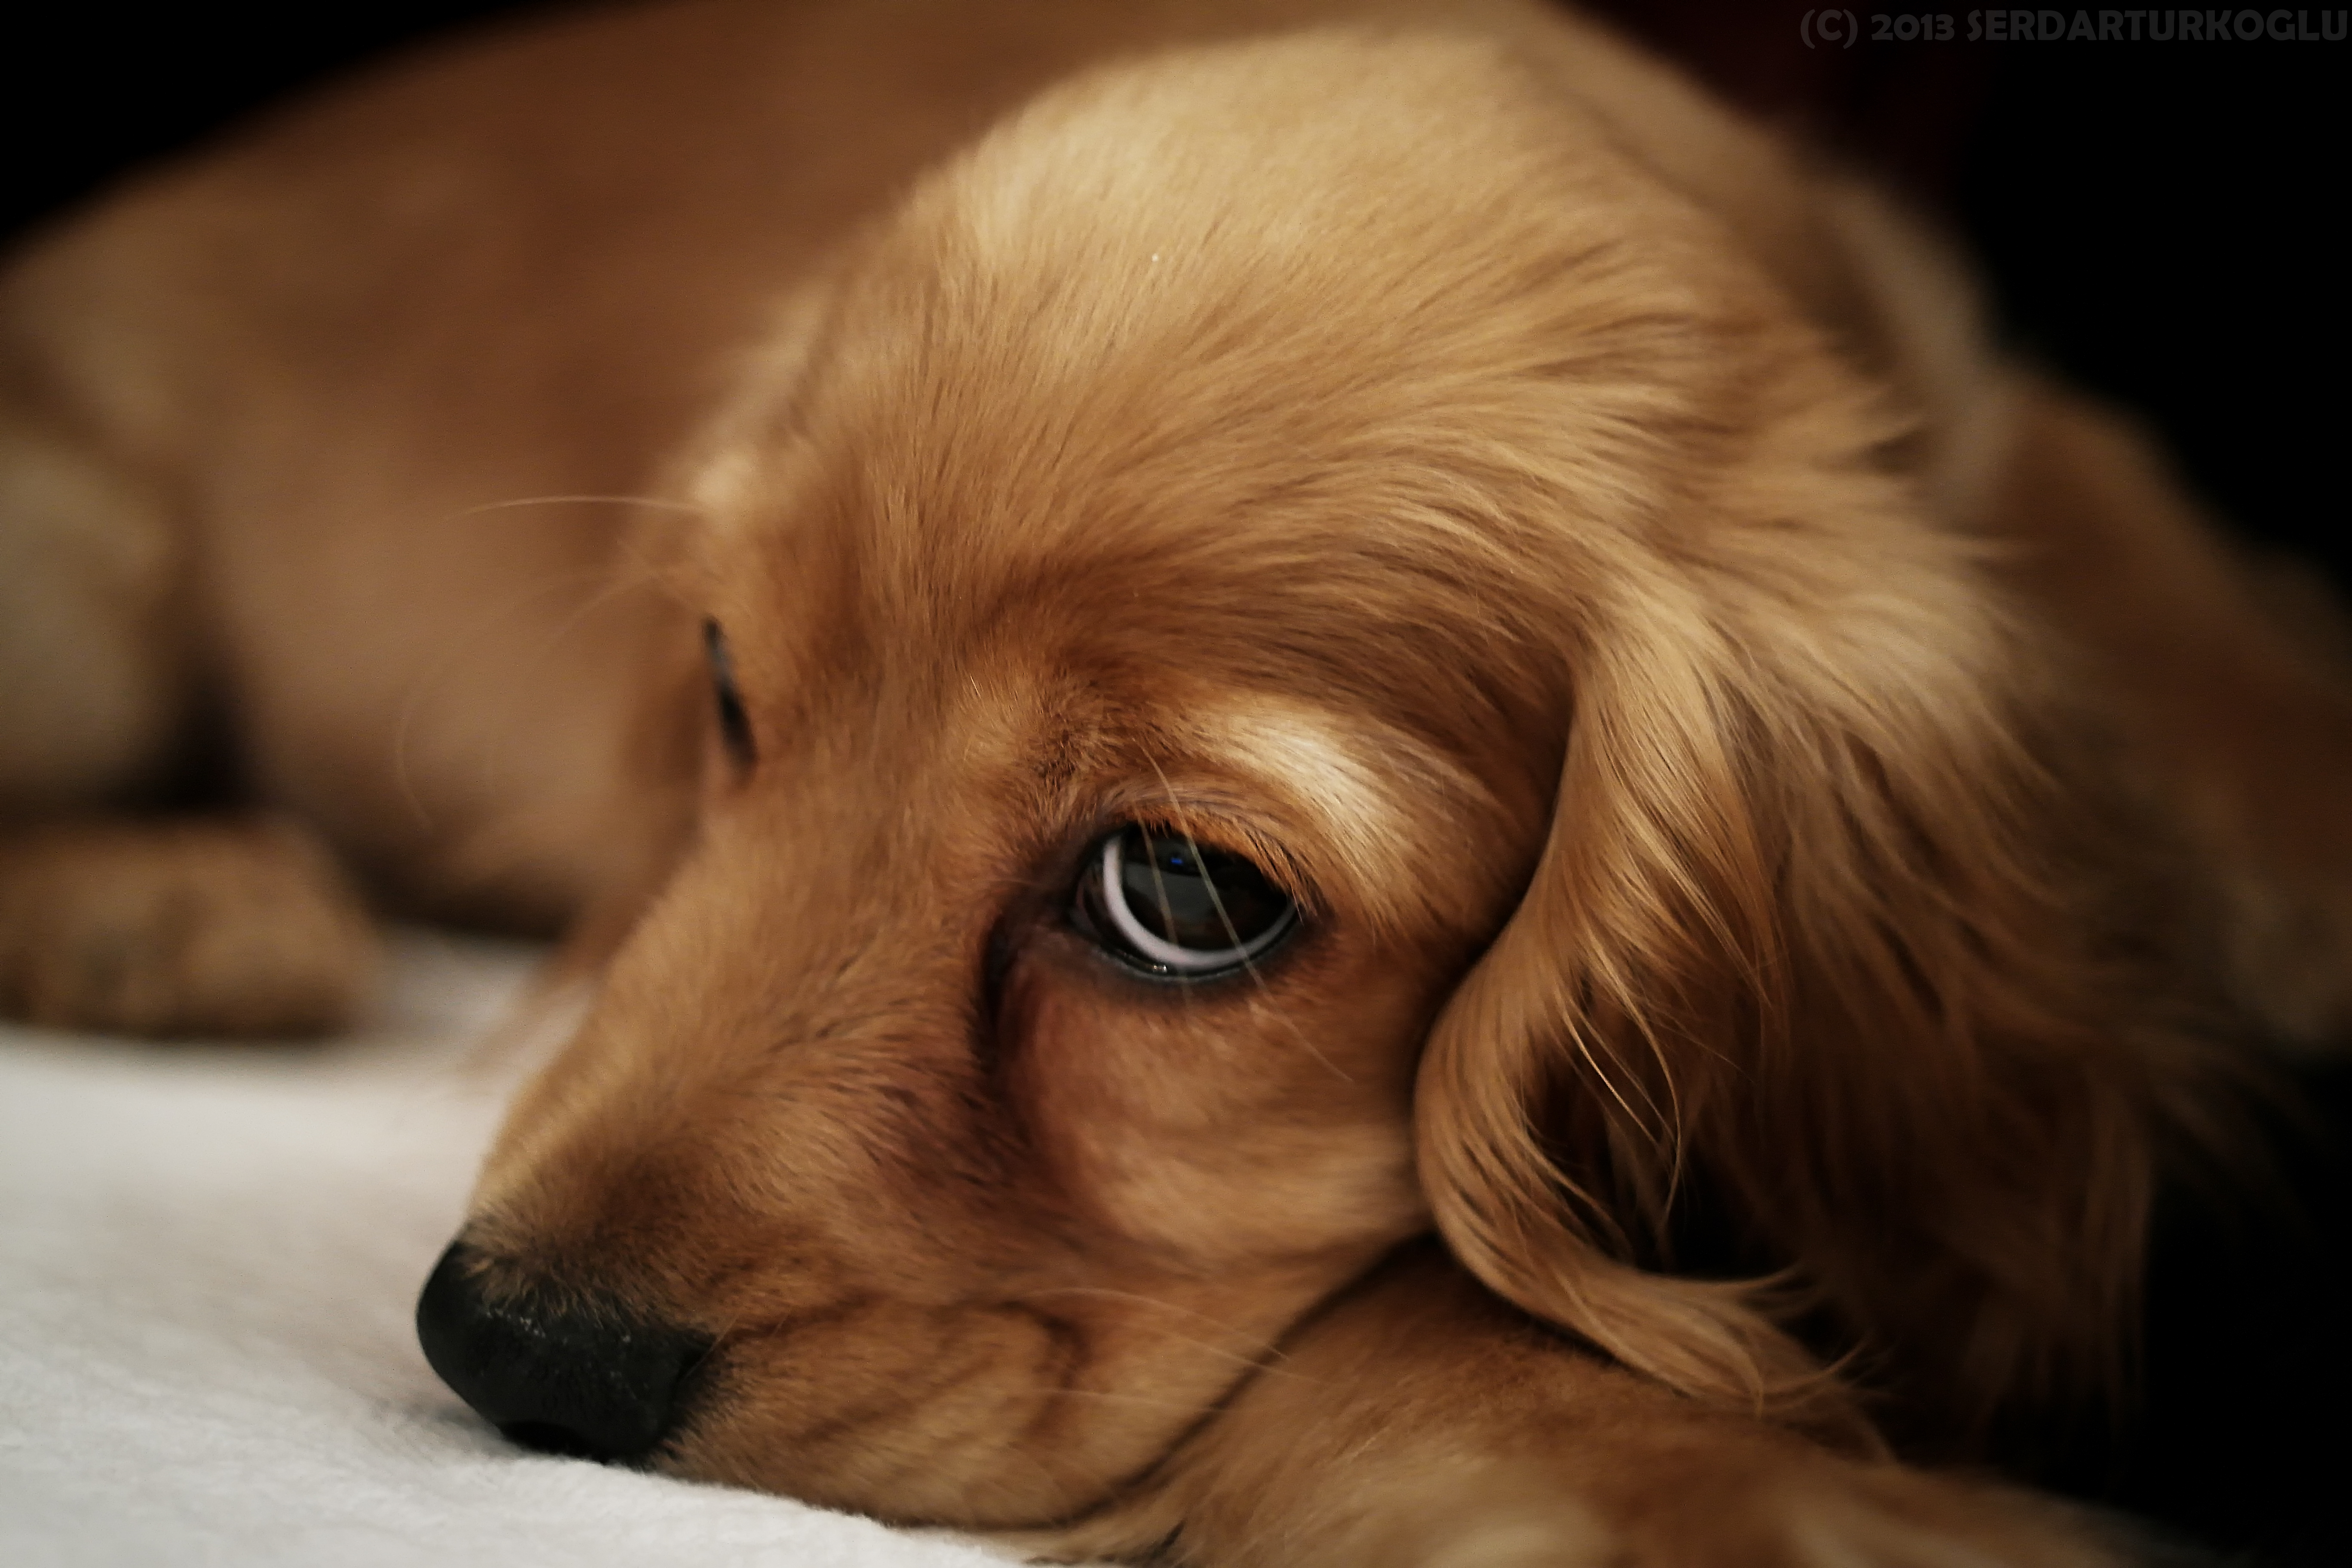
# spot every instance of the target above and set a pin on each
(208, 1259)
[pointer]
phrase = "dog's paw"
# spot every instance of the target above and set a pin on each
(183, 928)
(1561, 1535)
(1850, 1540)
(1968, 1528)
(1840, 1515)
(1873, 1516)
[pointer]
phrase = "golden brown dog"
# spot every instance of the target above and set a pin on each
(1258, 724)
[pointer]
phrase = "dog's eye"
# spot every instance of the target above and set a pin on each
(1172, 906)
(734, 724)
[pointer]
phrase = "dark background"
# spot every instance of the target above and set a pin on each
(2162, 221)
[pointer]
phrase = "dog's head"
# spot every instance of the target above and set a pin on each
(1303, 652)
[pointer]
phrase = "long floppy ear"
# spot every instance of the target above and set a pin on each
(1834, 924)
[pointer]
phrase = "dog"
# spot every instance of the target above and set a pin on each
(1344, 787)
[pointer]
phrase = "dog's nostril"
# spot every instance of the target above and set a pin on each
(563, 1371)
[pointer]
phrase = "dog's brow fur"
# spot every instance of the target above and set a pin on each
(1364, 790)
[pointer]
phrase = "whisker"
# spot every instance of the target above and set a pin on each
(734, 1322)
(1263, 1361)
(1159, 884)
(457, 649)
(531, 1027)
(403, 775)
(616, 585)
(1249, 965)
(1103, 1396)
(653, 503)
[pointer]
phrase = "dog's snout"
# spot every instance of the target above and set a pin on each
(565, 1371)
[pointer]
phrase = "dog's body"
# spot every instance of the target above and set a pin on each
(1721, 730)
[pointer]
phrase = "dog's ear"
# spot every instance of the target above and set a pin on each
(1833, 927)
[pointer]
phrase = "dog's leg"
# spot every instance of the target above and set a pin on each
(1417, 1423)
(178, 927)
(111, 922)
(92, 669)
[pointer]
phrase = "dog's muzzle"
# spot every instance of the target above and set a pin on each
(565, 1371)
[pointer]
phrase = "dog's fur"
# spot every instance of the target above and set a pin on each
(1744, 751)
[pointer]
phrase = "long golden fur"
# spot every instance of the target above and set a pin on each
(1738, 747)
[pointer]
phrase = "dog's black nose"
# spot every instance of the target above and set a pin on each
(565, 1371)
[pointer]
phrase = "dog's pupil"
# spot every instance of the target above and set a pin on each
(1177, 894)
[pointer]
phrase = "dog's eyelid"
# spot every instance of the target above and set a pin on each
(1216, 827)
(734, 719)
(1271, 856)
(1282, 868)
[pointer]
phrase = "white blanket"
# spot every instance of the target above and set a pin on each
(208, 1259)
